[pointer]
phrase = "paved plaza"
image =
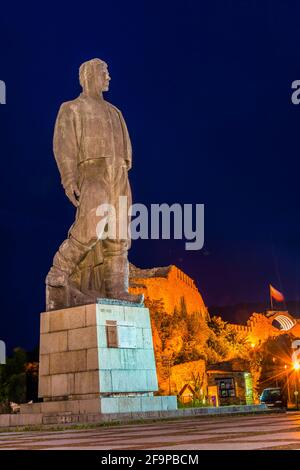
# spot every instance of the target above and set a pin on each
(271, 431)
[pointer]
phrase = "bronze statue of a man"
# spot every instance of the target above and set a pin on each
(93, 152)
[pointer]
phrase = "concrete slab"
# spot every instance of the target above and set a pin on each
(114, 409)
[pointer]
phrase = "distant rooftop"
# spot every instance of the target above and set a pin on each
(149, 272)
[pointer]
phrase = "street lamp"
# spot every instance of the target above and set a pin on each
(274, 360)
(2, 352)
(296, 366)
(288, 385)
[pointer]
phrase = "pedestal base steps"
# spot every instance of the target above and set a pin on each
(103, 405)
(36, 415)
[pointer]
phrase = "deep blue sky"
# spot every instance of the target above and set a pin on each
(205, 89)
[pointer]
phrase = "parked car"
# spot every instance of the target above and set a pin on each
(273, 397)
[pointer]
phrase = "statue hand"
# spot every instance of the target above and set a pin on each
(73, 193)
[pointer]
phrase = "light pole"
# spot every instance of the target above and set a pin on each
(287, 384)
(274, 370)
(297, 389)
(2, 352)
(296, 366)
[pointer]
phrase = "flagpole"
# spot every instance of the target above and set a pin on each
(271, 299)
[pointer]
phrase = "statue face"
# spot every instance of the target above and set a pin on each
(102, 78)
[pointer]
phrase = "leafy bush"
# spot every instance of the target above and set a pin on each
(15, 376)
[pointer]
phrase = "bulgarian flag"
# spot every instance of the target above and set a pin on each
(275, 294)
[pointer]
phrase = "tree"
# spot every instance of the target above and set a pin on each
(13, 379)
(197, 381)
(18, 379)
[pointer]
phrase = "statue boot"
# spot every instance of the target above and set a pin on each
(116, 275)
(61, 292)
(70, 253)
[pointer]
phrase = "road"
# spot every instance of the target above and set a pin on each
(272, 431)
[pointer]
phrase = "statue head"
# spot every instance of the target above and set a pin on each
(94, 77)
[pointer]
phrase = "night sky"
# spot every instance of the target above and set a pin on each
(205, 88)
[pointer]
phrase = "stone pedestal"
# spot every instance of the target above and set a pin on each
(98, 358)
